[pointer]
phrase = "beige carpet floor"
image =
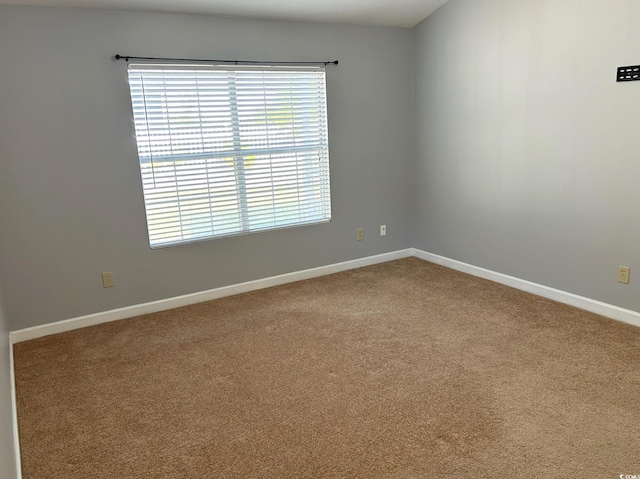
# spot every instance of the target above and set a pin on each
(399, 370)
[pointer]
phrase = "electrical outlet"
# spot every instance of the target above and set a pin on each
(360, 234)
(107, 280)
(623, 274)
(383, 230)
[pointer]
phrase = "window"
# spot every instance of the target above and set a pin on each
(227, 151)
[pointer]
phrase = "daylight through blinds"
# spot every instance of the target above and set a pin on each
(229, 151)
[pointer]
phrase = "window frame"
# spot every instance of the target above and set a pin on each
(239, 155)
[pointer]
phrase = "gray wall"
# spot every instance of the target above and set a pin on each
(7, 458)
(70, 195)
(527, 150)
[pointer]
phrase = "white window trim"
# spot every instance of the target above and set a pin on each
(241, 112)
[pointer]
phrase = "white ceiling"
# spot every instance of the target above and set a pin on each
(398, 13)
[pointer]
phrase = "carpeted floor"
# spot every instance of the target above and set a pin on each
(400, 370)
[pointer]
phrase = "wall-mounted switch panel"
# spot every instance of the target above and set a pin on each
(360, 234)
(631, 73)
(383, 230)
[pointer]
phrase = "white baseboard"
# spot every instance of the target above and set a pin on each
(14, 410)
(591, 305)
(165, 304)
(598, 307)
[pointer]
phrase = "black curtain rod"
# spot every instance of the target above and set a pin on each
(231, 62)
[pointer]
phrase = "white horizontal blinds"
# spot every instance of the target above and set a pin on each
(229, 151)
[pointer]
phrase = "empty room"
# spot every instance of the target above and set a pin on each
(319, 239)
